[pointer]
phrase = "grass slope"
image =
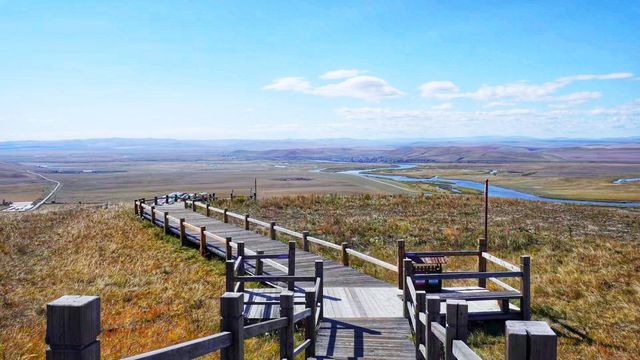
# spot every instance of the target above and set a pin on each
(154, 293)
(585, 260)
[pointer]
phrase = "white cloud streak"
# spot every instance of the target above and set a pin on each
(340, 74)
(518, 91)
(358, 86)
(517, 121)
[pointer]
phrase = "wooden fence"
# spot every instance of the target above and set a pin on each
(438, 337)
(274, 229)
(73, 324)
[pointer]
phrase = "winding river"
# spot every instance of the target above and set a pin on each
(494, 191)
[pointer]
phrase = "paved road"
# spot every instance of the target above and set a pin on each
(26, 206)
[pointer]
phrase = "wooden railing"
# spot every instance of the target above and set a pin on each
(274, 229)
(523, 273)
(236, 273)
(73, 324)
(437, 338)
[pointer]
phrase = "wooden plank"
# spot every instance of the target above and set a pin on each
(264, 327)
(372, 260)
(457, 275)
(462, 352)
(188, 350)
(500, 262)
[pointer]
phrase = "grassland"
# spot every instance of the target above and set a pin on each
(115, 181)
(16, 184)
(154, 293)
(585, 260)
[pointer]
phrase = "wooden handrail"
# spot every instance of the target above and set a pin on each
(503, 285)
(372, 260)
(288, 232)
(468, 275)
(439, 331)
(188, 350)
(264, 327)
(461, 351)
(311, 239)
(192, 227)
(498, 261)
(324, 243)
(442, 253)
(258, 222)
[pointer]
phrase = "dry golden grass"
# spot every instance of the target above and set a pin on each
(585, 260)
(153, 292)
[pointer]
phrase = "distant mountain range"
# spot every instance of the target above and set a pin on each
(479, 149)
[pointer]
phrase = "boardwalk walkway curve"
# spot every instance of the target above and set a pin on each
(363, 316)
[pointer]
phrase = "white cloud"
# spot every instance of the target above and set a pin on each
(289, 84)
(360, 87)
(518, 91)
(439, 89)
(573, 99)
(615, 121)
(495, 104)
(443, 106)
(584, 77)
(340, 74)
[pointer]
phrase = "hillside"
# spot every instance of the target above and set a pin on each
(585, 264)
(153, 292)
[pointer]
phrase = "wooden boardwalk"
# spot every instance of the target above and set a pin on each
(362, 315)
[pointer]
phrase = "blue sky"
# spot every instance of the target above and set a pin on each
(301, 69)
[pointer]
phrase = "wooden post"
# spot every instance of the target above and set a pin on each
(183, 235)
(225, 217)
(486, 209)
(155, 200)
(208, 210)
(407, 264)
(255, 189)
(433, 315)
(203, 241)
(533, 340)
(229, 275)
(310, 322)
(153, 215)
(291, 264)
(319, 273)
(186, 203)
(345, 255)
(141, 212)
(457, 311)
(231, 306)
(228, 250)
(165, 222)
(246, 221)
(259, 263)
(399, 264)
(73, 324)
(272, 230)
(135, 207)
(241, 271)
(286, 333)
(482, 262)
(193, 206)
(305, 241)
(525, 287)
(419, 307)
